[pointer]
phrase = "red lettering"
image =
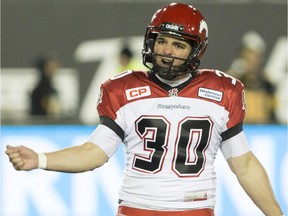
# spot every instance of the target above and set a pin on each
(142, 91)
(133, 93)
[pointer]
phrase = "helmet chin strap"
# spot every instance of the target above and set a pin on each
(167, 72)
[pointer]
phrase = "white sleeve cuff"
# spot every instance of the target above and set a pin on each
(42, 161)
(235, 146)
(106, 139)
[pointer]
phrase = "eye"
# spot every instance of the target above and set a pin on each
(160, 41)
(180, 46)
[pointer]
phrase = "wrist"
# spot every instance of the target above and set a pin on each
(42, 161)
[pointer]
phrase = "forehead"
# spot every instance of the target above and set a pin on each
(172, 38)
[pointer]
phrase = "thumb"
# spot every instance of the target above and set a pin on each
(13, 149)
(10, 149)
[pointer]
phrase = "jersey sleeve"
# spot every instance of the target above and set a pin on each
(103, 135)
(105, 106)
(109, 103)
(235, 104)
(230, 149)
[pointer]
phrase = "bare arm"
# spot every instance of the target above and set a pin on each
(254, 180)
(74, 159)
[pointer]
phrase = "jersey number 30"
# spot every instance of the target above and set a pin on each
(191, 141)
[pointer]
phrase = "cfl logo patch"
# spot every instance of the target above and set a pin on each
(139, 92)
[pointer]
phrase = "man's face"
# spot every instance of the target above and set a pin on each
(170, 46)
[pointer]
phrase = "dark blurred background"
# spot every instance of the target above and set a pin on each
(87, 36)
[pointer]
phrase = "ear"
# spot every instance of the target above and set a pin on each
(147, 50)
(204, 46)
(195, 65)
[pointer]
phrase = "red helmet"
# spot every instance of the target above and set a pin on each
(178, 20)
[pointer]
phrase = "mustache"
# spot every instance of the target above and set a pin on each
(169, 56)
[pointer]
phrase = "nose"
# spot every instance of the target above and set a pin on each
(168, 49)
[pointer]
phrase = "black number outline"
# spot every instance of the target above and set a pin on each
(199, 149)
(144, 163)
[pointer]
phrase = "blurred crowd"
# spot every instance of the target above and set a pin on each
(262, 101)
(248, 66)
(44, 96)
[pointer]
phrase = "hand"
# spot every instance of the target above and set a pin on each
(22, 158)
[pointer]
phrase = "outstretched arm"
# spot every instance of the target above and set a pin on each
(254, 180)
(74, 159)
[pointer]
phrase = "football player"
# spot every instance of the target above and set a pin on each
(172, 120)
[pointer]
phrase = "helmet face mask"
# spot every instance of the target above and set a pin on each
(183, 22)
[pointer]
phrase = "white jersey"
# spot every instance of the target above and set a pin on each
(171, 134)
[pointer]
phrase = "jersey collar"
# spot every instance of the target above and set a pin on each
(168, 85)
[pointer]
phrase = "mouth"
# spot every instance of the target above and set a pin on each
(166, 62)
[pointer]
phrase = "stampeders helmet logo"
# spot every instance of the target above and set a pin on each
(203, 26)
(171, 26)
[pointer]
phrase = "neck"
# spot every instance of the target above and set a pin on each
(177, 81)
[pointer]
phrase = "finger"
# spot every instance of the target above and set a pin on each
(18, 166)
(11, 149)
(18, 163)
(13, 155)
(16, 160)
